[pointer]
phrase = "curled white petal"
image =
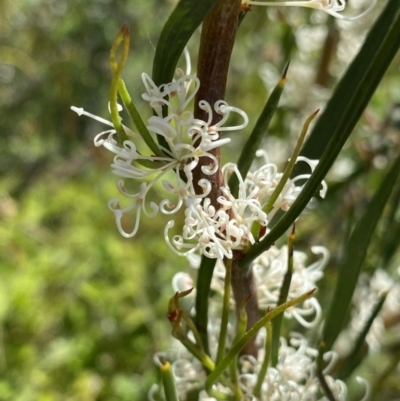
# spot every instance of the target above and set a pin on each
(332, 7)
(367, 385)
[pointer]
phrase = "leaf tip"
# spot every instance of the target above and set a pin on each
(309, 293)
(282, 81)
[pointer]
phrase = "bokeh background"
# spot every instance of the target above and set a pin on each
(82, 310)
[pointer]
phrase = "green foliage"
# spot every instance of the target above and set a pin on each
(184, 20)
(356, 251)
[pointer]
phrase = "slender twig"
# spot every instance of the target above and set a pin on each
(264, 367)
(225, 311)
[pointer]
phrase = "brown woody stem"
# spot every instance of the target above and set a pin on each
(243, 286)
(216, 44)
(217, 39)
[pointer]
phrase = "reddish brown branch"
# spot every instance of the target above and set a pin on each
(217, 39)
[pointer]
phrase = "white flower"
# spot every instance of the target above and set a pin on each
(186, 140)
(294, 376)
(269, 271)
(217, 232)
(332, 7)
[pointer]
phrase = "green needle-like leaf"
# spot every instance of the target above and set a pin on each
(225, 311)
(253, 143)
(342, 113)
(264, 366)
(289, 168)
(202, 298)
(137, 119)
(116, 68)
(171, 394)
(184, 20)
(354, 358)
(277, 322)
(353, 260)
(359, 83)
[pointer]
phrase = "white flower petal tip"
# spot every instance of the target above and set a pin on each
(77, 110)
(331, 7)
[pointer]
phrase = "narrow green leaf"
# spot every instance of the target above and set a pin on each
(137, 119)
(353, 260)
(391, 228)
(184, 20)
(359, 83)
(342, 113)
(204, 277)
(354, 358)
(225, 311)
(289, 168)
(253, 143)
(116, 68)
(240, 330)
(264, 367)
(171, 394)
(284, 292)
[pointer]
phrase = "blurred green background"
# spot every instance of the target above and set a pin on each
(82, 310)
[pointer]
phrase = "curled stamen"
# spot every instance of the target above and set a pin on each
(331, 7)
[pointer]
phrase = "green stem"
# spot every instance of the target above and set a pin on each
(225, 311)
(198, 354)
(264, 367)
(167, 375)
(193, 329)
(123, 36)
(241, 329)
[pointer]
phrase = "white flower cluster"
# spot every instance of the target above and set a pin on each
(217, 232)
(293, 378)
(214, 230)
